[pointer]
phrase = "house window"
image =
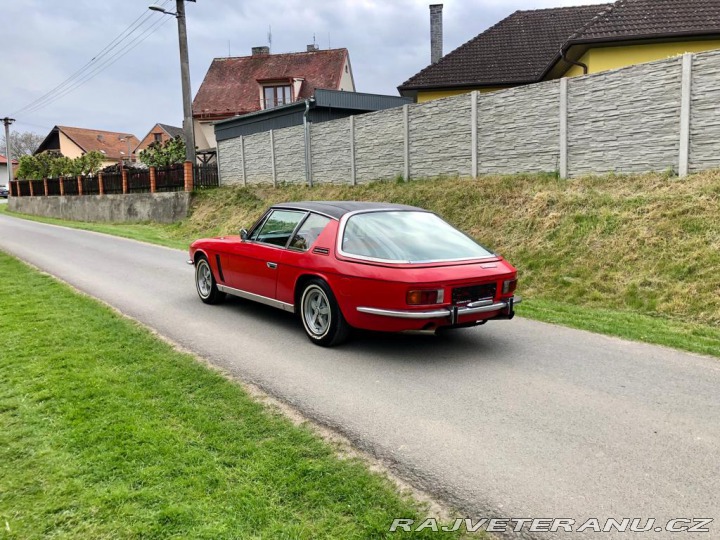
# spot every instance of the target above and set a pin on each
(157, 137)
(275, 96)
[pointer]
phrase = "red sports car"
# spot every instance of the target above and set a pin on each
(343, 265)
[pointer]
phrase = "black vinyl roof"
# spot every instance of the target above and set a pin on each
(338, 209)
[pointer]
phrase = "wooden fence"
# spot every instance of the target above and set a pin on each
(152, 180)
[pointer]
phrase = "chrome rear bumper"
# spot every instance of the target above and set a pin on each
(481, 306)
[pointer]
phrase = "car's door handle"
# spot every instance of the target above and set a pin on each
(272, 265)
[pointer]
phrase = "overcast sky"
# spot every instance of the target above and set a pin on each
(46, 41)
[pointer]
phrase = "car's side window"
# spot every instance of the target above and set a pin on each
(308, 232)
(278, 227)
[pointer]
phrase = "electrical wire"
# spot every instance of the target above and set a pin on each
(100, 68)
(91, 68)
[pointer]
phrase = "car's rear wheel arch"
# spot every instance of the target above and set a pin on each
(300, 285)
(319, 312)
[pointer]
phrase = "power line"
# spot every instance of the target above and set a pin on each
(52, 95)
(100, 68)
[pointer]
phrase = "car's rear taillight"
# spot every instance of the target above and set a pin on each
(509, 286)
(425, 297)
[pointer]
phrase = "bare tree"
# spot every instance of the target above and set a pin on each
(22, 143)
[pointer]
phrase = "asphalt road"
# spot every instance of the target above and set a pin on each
(516, 419)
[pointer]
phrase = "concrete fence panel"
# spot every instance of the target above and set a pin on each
(705, 112)
(626, 120)
(440, 137)
(331, 152)
(379, 145)
(290, 155)
(519, 129)
(230, 161)
(258, 166)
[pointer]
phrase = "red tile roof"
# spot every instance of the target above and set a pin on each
(232, 85)
(523, 47)
(112, 144)
(3, 160)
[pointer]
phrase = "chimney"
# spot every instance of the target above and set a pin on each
(436, 37)
(312, 48)
(260, 50)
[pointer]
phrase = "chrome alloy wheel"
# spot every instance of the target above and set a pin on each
(203, 276)
(317, 315)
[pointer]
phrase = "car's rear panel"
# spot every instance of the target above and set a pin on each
(384, 288)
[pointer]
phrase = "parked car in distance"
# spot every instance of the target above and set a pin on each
(4, 192)
(344, 264)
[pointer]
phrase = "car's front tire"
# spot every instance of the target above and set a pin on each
(205, 283)
(321, 316)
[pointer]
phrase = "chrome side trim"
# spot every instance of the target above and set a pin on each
(442, 313)
(257, 298)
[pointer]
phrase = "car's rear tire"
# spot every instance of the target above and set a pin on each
(205, 283)
(321, 316)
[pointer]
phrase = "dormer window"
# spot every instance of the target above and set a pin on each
(274, 96)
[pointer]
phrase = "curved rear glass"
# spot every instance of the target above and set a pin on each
(407, 236)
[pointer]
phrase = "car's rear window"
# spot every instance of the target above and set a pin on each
(407, 236)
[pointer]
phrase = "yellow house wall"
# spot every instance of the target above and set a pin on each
(605, 58)
(429, 95)
(68, 148)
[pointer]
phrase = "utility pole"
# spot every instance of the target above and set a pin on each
(185, 77)
(186, 92)
(7, 121)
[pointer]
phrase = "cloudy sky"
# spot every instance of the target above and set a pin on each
(130, 83)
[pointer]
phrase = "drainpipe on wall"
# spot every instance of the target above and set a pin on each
(308, 152)
(563, 55)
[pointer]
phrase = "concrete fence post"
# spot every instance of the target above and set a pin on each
(45, 185)
(353, 172)
(61, 181)
(188, 174)
(474, 133)
(153, 180)
(101, 186)
(242, 158)
(30, 183)
(406, 142)
(217, 163)
(563, 164)
(79, 184)
(685, 109)
(272, 157)
(124, 181)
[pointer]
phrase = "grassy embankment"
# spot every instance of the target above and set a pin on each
(108, 432)
(631, 256)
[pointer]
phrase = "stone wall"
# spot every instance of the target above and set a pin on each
(651, 117)
(132, 207)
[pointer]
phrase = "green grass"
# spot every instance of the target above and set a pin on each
(692, 337)
(153, 233)
(109, 433)
(634, 256)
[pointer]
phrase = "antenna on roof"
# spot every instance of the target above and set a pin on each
(270, 37)
(314, 41)
(329, 44)
(229, 55)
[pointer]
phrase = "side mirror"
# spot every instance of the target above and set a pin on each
(243, 234)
